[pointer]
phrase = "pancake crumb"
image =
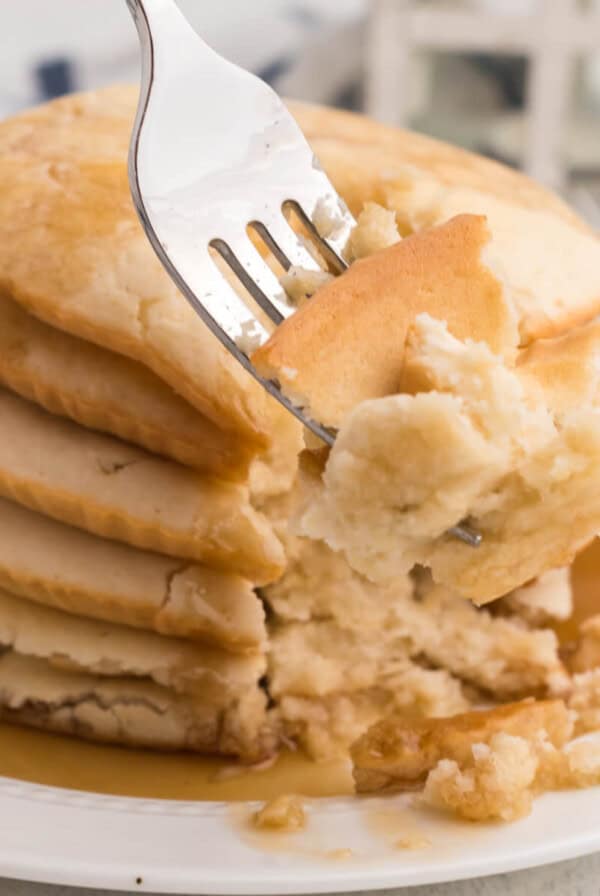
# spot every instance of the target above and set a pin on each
(586, 655)
(339, 855)
(584, 701)
(413, 841)
(376, 229)
(495, 784)
(250, 338)
(501, 779)
(284, 813)
(300, 284)
(328, 221)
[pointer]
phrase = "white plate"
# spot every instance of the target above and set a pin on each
(67, 837)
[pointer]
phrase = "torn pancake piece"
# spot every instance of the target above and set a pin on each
(549, 254)
(499, 775)
(129, 711)
(479, 444)
(584, 701)
(320, 658)
(496, 781)
(398, 753)
(482, 765)
(500, 779)
(325, 724)
(543, 601)
(57, 565)
(499, 654)
(347, 344)
(586, 653)
(375, 229)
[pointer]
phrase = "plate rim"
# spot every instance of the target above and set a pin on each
(38, 867)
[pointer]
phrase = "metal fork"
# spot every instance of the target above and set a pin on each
(214, 151)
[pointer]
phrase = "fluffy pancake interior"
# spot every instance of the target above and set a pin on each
(475, 442)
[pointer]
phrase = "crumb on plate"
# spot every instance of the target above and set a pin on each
(284, 813)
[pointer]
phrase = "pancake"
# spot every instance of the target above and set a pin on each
(117, 642)
(127, 711)
(565, 369)
(68, 159)
(548, 256)
(494, 652)
(347, 344)
(115, 490)
(544, 601)
(74, 254)
(475, 442)
(81, 644)
(106, 391)
(57, 565)
(398, 754)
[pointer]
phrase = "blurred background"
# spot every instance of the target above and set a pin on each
(518, 80)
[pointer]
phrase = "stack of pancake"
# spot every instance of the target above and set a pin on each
(151, 591)
(129, 546)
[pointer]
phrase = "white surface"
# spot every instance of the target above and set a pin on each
(575, 878)
(98, 37)
(551, 35)
(61, 836)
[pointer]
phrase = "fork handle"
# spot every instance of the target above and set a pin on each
(162, 28)
(155, 12)
(154, 15)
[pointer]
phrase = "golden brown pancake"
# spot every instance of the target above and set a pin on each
(347, 344)
(64, 567)
(103, 390)
(113, 489)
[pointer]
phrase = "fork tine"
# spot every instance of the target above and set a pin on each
(214, 299)
(289, 245)
(258, 278)
(241, 272)
(272, 244)
(467, 534)
(329, 252)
